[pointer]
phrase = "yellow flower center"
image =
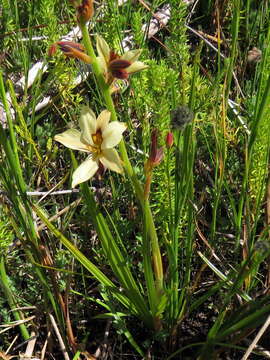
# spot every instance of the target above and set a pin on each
(97, 140)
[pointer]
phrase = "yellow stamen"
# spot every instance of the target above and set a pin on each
(97, 138)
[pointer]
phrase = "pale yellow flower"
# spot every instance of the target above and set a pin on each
(116, 66)
(98, 137)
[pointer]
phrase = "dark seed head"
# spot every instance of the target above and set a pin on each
(180, 117)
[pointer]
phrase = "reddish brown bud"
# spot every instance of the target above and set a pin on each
(169, 140)
(155, 158)
(69, 46)
(117, 68)
(72, 50)
(119, 64)
(85, 11)
(120, 74)
(156, 154)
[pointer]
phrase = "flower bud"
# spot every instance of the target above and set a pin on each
(71, 49)
(155, 158)
(169, 140)
(117, 68)
(85, 11)
(156, 154)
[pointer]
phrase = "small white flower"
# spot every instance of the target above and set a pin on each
(98, 137)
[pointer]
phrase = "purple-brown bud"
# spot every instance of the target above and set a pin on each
(169, 140)
(156, 154)
(117, 68)
(70, 49)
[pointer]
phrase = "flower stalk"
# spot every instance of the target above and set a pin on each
(105, 90)
(155, 158)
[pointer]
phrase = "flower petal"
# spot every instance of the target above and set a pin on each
(119, 64)
(103, 120)
(103, 49)
(120, 74)
(71, 139)
(102, 64)
(85, 171)
(112, 135)
(131, 55)
(88, 124)
(68, 46)
(136, 66)
(111, 160)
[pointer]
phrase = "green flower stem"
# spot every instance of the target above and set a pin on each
(157, 260)
(105, 89)
(95, 65)
(147, 186)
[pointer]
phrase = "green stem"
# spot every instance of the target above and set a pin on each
(169, 188)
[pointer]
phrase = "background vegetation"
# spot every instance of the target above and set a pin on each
(208, 83)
